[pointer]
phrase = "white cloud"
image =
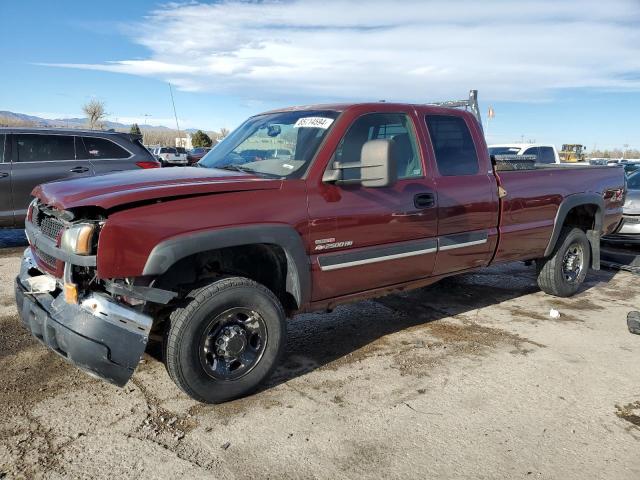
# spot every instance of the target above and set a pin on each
(412, 50)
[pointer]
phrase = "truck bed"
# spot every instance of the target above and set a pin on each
(533, 197)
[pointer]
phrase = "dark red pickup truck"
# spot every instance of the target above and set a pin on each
(297, 210)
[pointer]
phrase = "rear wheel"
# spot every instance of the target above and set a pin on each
(563, 272)
(226, 340)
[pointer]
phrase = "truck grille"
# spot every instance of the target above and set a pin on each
(45, 258)
(51, 227)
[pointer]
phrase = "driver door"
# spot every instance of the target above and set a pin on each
(363, 238)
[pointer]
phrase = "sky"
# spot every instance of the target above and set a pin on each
(554, 71)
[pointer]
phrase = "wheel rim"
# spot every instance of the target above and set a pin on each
(233, 343)
(573, 263)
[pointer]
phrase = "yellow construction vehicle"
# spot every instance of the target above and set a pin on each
(572, 153)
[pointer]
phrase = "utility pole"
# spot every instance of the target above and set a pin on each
(145, 115)
(175, 114)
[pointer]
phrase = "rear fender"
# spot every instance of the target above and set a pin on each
(593, 235)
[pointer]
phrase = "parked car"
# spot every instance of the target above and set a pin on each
(543, 153)
(169, 156)
(371, 198)
(29, 156)
(628, 232)
(630, 167)
(196, 154)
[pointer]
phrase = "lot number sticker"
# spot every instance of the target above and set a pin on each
(314, 122)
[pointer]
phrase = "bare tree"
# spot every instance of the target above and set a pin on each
(223, 133)
(94, 110)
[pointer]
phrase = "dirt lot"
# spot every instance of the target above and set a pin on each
(469, 378)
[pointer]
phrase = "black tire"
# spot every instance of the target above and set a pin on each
(189, 362)
(558, 274)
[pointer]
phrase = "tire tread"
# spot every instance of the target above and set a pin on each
(181, 315)
(547, 268)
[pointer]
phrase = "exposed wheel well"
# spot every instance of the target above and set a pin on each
(582, 217)
(263, 263)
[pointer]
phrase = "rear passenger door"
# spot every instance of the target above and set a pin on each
(467, 193)
(104, 155)
(6, 204)
(40, 158)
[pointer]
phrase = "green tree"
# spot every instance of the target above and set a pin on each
(135, 130)
(201, 139)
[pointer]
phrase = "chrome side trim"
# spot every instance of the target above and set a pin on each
(462, 240)
(352, 258)
(376, 259)
(462, 245)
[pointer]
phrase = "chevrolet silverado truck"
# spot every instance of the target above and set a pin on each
(298, 210)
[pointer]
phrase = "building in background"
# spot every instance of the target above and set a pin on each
(184, 142)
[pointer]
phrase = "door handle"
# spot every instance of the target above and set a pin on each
(424, 200)
(79, 170)
(4, 174)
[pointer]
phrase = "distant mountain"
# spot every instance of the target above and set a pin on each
(76, 122)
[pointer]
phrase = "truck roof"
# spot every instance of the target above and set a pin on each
(520, 145)
(340, 107)
(61, 131)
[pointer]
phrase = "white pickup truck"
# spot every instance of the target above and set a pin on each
(170, 156)
(543, 153)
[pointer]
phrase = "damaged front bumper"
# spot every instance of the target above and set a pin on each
(102, 337)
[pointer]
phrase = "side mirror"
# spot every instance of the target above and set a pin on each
(377, 166)
(274, 130)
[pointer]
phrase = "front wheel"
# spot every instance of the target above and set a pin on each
(563, 272)
(225, 340)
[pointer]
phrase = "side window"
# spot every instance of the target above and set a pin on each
(99, 148)
(453, 145)
(546, 155)
(374, 126)
(533, 151)
(44, 148)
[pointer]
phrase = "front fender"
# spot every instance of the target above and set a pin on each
(298, 281)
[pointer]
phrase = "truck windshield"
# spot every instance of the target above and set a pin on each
(276, 144)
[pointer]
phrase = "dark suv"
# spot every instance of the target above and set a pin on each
(30, 156)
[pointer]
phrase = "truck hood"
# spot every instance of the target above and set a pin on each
(116, 189)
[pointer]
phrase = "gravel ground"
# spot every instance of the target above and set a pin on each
(469, 378)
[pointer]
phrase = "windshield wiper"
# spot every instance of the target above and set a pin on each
(237, 168)
(242, 168)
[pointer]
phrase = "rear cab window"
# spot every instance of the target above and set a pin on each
(453, 145)
(546, 155)
(43, 148)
